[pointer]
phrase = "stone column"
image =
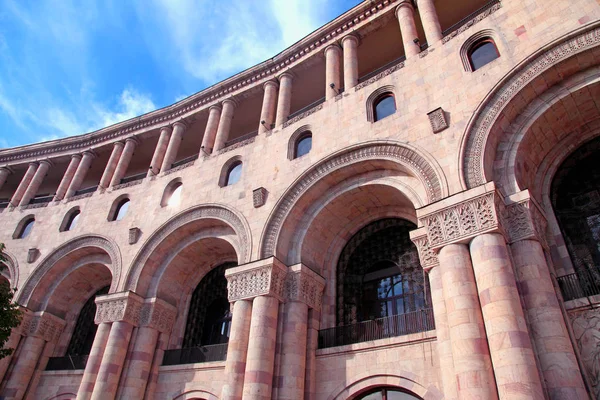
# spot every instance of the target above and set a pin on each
(157, 317)
(284, 100)
(82, 170)
(25, 181)
(93, 363)
(350, 45)
(36, 182)
(173, 148)
(430, 20)
(405, 13)
(159, 152)
(156, 363)
(109, 170)
(332, 71)
(224, 124)
(123, 311)
(67, 177)
(312, 343)
(4, 173)
(555, 352)
(304, 291)
(210, 133)
(124, 160)
(267, 113)
(39, 329)
(237, 350)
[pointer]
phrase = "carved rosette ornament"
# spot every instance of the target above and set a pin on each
(42, 325)
(158, 314)
(304, 285)
(261, 278)
(124, 306)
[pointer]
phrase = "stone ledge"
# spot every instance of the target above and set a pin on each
(214, 365)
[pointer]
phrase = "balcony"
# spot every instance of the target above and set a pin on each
(87, 190)
(381, 328)
(42, 199)
(200, 354)
(133, 178)
(67, 363)
(470, 17)
(585, 283)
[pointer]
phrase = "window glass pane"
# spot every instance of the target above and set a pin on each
(385, 107)
(396, 395)
(27, 229)
(483, 54)
(234, 174)
(73, 221)
(122, 210)
(304, 146)
(373, 396)
(175, 196)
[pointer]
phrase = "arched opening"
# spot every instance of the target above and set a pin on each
(24, 227)
(172, 194)
(71, 219)
(386, 393)
(234, 173)
(575, 197)
(384, 106)
(482, 52)
(303, 145)
(120, 209)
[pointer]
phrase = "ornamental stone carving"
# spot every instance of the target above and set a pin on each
(124, 306)
(427, 256)
(158, 314)
(42, 325)
(134, 235)
(259, 197)
(261, 278)
(379, 76)
(478, 18)
(302, 115)
(525, 219)
(437, 119)
(304, 285)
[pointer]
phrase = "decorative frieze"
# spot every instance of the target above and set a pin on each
(80, 196)
(179, 168)
(124, 306)
(427, 256)
(437, 119)
(259, 197)
(524, 219)
(304, 285)
(302, 115)
(128, 184)
(42, 325)
(478, 18)
(158, 314)
(238, 145)
(261, 278)
(379, 76)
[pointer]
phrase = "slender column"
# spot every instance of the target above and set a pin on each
(224, 124)
(159, 152)
(258, 379)
(508, 336)
(124, 161)
(173, 148)
(24, 368)
(312, 343)
(332, 71)
(112, 361)
(18, 195)
(350, 45)
(549, 332)
(430, 20)
(443, 334)
(4, 173)
(267, 114)
(36, 182)
(67, 177)
(406, 18)
(210, 133)
(136, 376)
(235, 366)
(470, 351)
(284, 100)
(82, 170)
(293, 354)
(111, 165)
(93, 363)
(162, 345)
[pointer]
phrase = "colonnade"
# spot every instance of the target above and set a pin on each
(276, 106)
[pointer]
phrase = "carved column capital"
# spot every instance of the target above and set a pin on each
(427, 256)
(124, 306)
(42, 325)
(524, 218)
(260, 278)
(304, 285)
(158, 314)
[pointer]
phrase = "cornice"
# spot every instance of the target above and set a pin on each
(309, 46)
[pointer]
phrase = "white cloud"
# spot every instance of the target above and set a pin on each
(131, 104)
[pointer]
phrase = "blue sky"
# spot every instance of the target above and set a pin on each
(73, 66)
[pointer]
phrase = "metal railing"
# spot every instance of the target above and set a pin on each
(4, 203)
(133, 178)
(469, 17)
(583, 283)
(200, 354)
(308, 107)
(90, 189)
(241, 138)
(42, 199)
(392, 326)
(184, 161)
(381, 69)
(67, 363)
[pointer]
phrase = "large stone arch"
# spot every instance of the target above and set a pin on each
(11, 272)
(505, 104)
(364, 381)
(414, 162)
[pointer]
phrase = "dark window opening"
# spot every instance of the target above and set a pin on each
(121, 210)
(72, 222)
(303, 145)
(234, 174)
(384, 107)
(387, 394)
(482, 53)
(27, 228)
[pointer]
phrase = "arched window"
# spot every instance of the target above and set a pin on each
(24, 228)
(172, 194)
(234, 173)
(303, 145)
(72, 220)
(85, 328)
(387, 393)
(482, 52)
(119, 209)
(384, 106)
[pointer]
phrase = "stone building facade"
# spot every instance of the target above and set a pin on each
(404, 204)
